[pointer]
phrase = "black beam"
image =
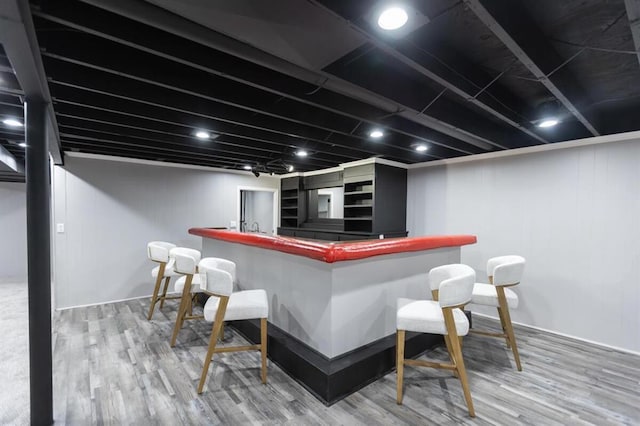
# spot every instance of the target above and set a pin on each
(18, 37)
(288, 118)
(39, 263)
(171, 24)
(93, 118)
(221, 72)
(412, 57)
(161, 148)
(375, 70)
(509, 22)
(192, 113)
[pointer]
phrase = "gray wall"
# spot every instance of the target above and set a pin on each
(574, 214)
(110, 211)
(259, 208)
(13, 232)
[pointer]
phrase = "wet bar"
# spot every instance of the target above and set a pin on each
(333, 304)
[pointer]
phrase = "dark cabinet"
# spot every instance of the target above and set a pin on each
(292, 202)
(375, 199)
(375, 203)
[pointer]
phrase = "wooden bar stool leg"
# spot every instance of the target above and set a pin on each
(182, 309)
(263, 348)
(504, 326)
(447, 342)
(154, 298)
(217, 325)
(164, 291)
(221, 337)
(399, 364)
(459, 361)
(502, 300)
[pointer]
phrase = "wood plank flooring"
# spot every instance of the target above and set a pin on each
(112, 366)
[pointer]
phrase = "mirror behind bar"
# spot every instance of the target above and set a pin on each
(326, 203)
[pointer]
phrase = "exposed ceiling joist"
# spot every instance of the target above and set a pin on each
(520, 35)
(189, 86)
(18, 37)
(437, 73)
(242, 76)
(633, 13)
(162, 19)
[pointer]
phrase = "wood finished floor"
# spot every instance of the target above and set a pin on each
(112, 366)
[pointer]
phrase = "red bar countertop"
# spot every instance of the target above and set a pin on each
(331, 252)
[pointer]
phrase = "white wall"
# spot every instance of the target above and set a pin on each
(13, 232)
(112, 209)
(574, 214)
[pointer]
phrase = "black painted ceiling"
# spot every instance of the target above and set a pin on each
(268, 78)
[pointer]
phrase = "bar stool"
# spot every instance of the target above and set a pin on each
(159, 251)
(227, 305)
(503, 272)
(189, 285)
(454, 284)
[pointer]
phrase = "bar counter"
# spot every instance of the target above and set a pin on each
(332, 306)
(331, 252)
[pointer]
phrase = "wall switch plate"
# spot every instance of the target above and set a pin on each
(60, 228)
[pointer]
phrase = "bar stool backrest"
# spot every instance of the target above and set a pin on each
(186, 260)
(505, 270)
(218, 281)
(454, 284)
(158, 251)
(218, 285)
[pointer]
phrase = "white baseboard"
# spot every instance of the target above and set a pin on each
(111, 301)
(604, 345)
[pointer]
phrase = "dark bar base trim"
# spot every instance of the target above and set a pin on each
(330, 380)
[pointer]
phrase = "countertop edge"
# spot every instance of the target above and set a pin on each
(330, 252)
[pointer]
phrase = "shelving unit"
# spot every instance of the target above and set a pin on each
(358, 205)
(291, 203)
(374, 199)
(374, 204)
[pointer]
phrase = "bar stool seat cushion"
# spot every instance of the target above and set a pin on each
(195, 284)
(485, 294)
(425, 316)
(246, 304)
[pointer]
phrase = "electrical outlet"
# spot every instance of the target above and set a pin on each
(60, 228)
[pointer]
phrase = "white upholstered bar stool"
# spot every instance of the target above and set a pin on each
(227, 305)
(503, 272)
(454, 284)
(187, 266)
(159, 252)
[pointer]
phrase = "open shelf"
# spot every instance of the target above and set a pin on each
(289, 207)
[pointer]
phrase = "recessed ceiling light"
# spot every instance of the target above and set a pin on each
(392, 18)
(301, 153)
(22, 145)
(290, 169)
(421, 148)
(201, 134)
(549, 122)
(247, 167)
(11, 122)
(376, 134)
